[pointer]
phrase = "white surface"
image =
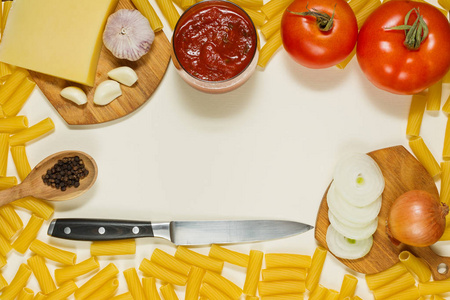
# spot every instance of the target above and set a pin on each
(266, 150)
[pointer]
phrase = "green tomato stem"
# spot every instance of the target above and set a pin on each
(324, 21)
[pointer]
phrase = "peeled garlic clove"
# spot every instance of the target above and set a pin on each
(106, 92)
(124, 75)
(74, 94)
(128, 34)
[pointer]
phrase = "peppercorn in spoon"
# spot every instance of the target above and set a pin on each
(61, 176)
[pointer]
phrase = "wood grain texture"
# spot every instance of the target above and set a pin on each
(150, 70)
(402, 173)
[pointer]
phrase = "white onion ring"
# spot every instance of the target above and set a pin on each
(358, 179)
(346, 211)
(353, 232)
(342, 248)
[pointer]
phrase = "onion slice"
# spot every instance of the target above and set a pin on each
(345, 248)
(344, 210)
(353, 232)
(358, 179)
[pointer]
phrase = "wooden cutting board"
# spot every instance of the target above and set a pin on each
(402, 173)
(150, 70)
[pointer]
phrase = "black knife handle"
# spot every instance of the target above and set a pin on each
(99, 229)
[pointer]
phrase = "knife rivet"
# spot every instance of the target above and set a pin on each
(102, 230)
(67, 230)
(135, 230)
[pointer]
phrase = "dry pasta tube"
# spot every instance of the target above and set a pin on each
(154, 270)
(253, 4)
(119, 247)
(32, 132)
(434, 287)
(285, 260)
(63, 291)
(15, 103)
(416, 266)
(424, 155)
(17, 284)
(150, 290)
(40, 296)
(411, 293)
(377, 280)
(317, 262)
(266, 288)
(13, 124)
(253, 272)
(170, 262)
(284, 297)
(210, 292)
(345, 62)
(275, 274)
(42, 274)
(26, 294)
(147, 10)
(106, 291)
(415, 115)
(446, 78)
(168, 292)
(269, 48)
(437, 297)
(193, 284)
(446, 107)
(53, 253)
(272, 26)
(5, 229)
(4, 149)
(395, 286)
(185, 4)
(134, 284)
(199, 260)
(36, 206)
(10, 215)
(224, 285)
(3, 282)
(12, 84)
(230, 256)
(433, 96)
(5, 246)
(2, 261)
(348, 286)
(71, 272)
(319, 293)
(257, 17)
(6, 8)
(332, 295)
(20, 159)
(271, 8)
(446, 148)
(169, 11)
(357, 5)
(5, 70)
(28, 235)
(96, 281)
(366, 10)
(124, 296)
(7, 182)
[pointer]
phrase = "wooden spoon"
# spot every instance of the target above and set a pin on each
(33, 185)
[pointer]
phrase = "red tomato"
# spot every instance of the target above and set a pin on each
(386, 61)
(312, 47)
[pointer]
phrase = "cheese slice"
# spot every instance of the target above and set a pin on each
(61, 38)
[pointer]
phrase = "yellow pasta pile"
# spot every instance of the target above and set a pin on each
(407, 280)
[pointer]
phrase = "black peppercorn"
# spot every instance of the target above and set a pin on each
(66, 173)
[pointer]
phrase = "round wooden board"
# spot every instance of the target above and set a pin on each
(150, 70)
(402, 173)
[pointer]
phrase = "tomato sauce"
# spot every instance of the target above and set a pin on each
(214, 40)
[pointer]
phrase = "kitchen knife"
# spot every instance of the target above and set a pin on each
(178, 232)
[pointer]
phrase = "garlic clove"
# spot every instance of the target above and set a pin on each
(106, 92)
(74, 94)
(124, 75)
(128, 34)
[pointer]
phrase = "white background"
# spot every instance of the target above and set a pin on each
(264, 151)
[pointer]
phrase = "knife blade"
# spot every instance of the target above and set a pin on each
(178, 232)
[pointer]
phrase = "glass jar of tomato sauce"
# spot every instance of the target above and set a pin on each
(215, 46)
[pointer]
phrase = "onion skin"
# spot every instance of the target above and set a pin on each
(416, 218)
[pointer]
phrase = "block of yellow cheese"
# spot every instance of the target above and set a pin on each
(61, 38)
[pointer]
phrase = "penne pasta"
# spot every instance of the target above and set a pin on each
(230, 256)
(357, 5)
(28, 235)
(20, 159)
(434, 287)
(5, 229)
(119, 247)
(154, 270)
(194, 282)
(269, 48)
(71, 272)
(445, 182)
(96, 281)
(272, 26)
(202, 261)
(424, 155)
(168, 292)
(411, 293)
(319, 293)
(4, 147)
(3, 282)
(415, 115)
(170, 262)
(15, 103)
(348, 286)
(366, 10)
(53, 253)
(210, 292)
(17, 283)
(147, 10)
(266, 288)
(106, 291)
(395, 286)
(284, 297)
(64, 291)
(5, 246)
(374, 281)
(12, 84)
(275, 274)
(253, 272)
(13, 124)
(26, 294)
(42, 274)
(284, 260)
(7, 182)
(169, 11)
(416, 266)
(124, 296)
(32, 132)
(258, 18)
(134, 284)
(222, 284)
(317, 262)
(150, 290)
(433, 96)
(273, 7)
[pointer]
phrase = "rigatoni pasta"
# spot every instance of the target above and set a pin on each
(168, 292)
(229, 256)
(3, 282)
(272, 7)
(434, 287)
(425, 156)
(318, 293)
(53, 253)
(272, 26)
(124, 296)
(119, 247)
(193, 283)
(25, 294)
(406, 294)
(17, 100)
(403, 282)
(199, 260)
(284, 297)
(150, 290)
(275, 274)
(10, 215)
(269, 48)
(7, 182)
(366, 10)
(64, 291)
(31, 133)
(106, 291)
(170, 262)
(12, 84)
(134, 284)
(377, 280)
(415, 115)
(42, 274)
(5, 246)
(346, 61)
(4, 147)
(36, 206)
(2, 261)
(433, 96)
(147, 10)
(357, 5)
(223, 284)
(287, 260)
(415, 266)
(5, 229)
(71, 272)
(96, 281)
(348, 286)
(20, 159)
(266, 288)
(17, 283)
(13, 124)
(317, 262)
(444, 194)
(154, 270)
(253, 272)
(169, 11)
(28, 235)
(210, 292)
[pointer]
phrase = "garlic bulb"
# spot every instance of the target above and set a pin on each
(128, 34)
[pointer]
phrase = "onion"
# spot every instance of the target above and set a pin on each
(417, 219)
(357, 232)
(346, 248)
